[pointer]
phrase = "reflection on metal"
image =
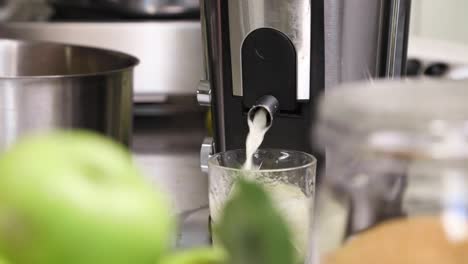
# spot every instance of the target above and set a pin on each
(206, 60)
(136, 7)
(207, 149)
(291, 17)
(214, 30)
(170, 51)
(268, 103)
(397, 37)
(204, 93)
(364, 40)
(63, 87)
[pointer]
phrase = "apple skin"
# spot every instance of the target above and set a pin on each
(77, 198)
(3, 261)
(213, 255)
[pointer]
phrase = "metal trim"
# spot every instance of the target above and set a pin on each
(397, 37)
(291, 17)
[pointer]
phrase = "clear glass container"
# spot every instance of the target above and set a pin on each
(396, 183)
(288, 176)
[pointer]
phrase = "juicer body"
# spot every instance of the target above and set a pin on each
(292, 50)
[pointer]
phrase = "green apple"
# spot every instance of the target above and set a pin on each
(3, 261)
(77, 198)
(214, 255)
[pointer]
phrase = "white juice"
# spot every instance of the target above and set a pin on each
(295, 208)
(290, 201)
(257, 130)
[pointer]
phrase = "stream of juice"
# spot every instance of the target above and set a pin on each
(289, 199)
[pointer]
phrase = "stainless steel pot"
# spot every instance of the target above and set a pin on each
(45, 86)
(137, 7)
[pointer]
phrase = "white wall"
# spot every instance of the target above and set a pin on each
(440, 19)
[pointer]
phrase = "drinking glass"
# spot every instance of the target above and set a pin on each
(287, 176)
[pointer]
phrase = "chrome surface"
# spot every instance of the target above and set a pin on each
(204, 29)
(291, 17)
(137, 7)
(268, 103)
(46, 86)
(212, 19)
(397, 42)
(353, 40)
(170, 52)
(204, 93)
(206, 151)
(363, 38)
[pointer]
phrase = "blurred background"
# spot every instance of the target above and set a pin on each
(438, 38)
(443, 20)
(166, 36)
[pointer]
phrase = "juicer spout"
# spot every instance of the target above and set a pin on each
(268, 103)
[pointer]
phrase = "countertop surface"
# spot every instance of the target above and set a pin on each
(167, 151)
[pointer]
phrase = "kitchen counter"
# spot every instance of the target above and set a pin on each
(166, 148)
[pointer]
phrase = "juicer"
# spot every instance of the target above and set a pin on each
(280, 55)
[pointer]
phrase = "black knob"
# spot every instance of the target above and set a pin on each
(436, 69)
(413, 67)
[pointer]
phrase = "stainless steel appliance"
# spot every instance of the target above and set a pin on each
(165, 35)
(170, 52)
(291, 50)
(45, 86)
(136, 7)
